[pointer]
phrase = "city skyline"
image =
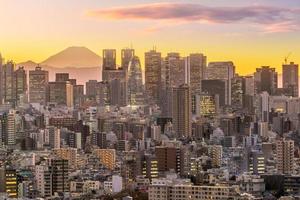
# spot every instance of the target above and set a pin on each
(254, 33)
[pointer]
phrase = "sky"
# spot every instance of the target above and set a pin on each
(250, 33)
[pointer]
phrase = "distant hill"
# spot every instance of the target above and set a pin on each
(79, 57)
(80, 62)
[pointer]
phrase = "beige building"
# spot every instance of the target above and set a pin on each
(165, 189)
(107, 157)
(69, 154)
(285, 156)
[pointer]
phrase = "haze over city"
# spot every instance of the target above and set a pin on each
(250, 33)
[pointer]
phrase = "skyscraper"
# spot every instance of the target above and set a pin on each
(222, 71)
(21, 85)
(285, 156)
(61, 93)
(9, 82)
(182, 111)
(126, 56)
(153, 74)
(197, 65)
(118, 92)
(62, 77)
(109, 59)
(38, 82)
(1, 79)
(290, 78)
(217, 86)
(135, 82)
(90, 87)
(11, 129)
(265, 80)
(175, 70)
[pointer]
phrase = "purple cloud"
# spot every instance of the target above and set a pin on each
(197, 12)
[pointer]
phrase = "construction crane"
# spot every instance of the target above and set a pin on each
(287, 57)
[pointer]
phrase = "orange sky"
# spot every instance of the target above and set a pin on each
(264, 35)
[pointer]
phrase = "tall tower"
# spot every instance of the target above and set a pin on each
(109, 59)
(182, 111)
(285, 156)
(126, 56)
(197, 65)
(265, 80)
(290, 78)
(38, 82)
(11, 128)
(153, 74)
(1, 79)
(9, 82)
(135, 82)
(21, 85)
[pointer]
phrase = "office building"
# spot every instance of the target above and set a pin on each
(9, 86)
(197, 66)
(153, 73)
(21, 85)
(135, 82)
(168, 159)
(126, 56)
(285, 156)
(182, 111)
(218, 86)
(265, 79)
(290, 79)
(61, 93)
(107, 157)
(38, 82)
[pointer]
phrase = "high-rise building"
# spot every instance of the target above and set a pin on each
(168, 158)
(182, 111)
(207, 105)
(1, 79)
(237, 92)
(135, 82)
(11, 129)
(60, 175)
(38, 83)
(109, 59)
(290, 79)
(78, 91)
(60, 77)
(197, 65)
(9, 82)
(175, 72)
(107, 157)
(90, 87)
(9, 181)
(265, 80)
(285, 156)
(118, 92)
(216, 152)
(126, 56)
(153, 74)
(218, 87)
(54, 137)
(69, 154)
(222, 71)
(21, 85)
(61, 93)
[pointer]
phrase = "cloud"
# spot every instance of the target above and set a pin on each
(195, 12)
